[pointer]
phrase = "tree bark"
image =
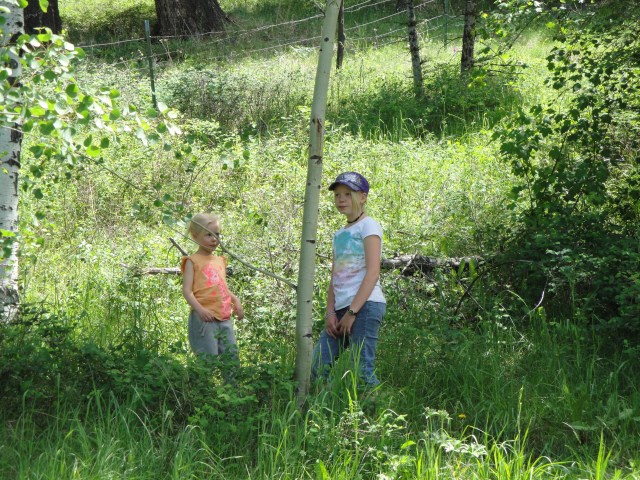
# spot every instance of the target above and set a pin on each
(304, 311)
(342, 37)
(414, 47)
(468, 37)
(189, 17)
(34, 17)
(410, 264)
(10, 147)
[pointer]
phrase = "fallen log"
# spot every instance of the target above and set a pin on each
(410, 264)
(407, 265)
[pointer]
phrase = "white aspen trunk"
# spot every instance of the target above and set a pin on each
(10, 144)
(304, 312)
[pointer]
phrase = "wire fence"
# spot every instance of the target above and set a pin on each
(381, 31)
(215, 46)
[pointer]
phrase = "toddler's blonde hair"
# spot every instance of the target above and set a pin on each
(200, 222)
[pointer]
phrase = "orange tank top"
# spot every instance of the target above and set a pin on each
(210, 284)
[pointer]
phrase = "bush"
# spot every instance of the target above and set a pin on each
(578, 191)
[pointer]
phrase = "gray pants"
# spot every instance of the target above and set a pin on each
(212, 338)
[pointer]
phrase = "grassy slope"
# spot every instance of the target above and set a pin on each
(518, 395)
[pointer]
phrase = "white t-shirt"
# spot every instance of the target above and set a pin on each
(349, 265)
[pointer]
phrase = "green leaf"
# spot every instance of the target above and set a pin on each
(36, 171)
(28, 126)
(93, 151)
(71, 90)
(46, 128)
(104, 142)
(44, 37)
(38, 193)
(37, 111)
(168, 220)
(44, 5)
(321, 471)
(37, 150)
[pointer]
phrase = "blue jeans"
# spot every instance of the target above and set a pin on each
(363, 341)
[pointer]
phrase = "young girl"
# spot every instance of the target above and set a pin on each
(204, 287)
(355, 302)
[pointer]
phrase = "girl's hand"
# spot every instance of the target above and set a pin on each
(239, 310)
(205, 315)
(346, 323)
(331, 322)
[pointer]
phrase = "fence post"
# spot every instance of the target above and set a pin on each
(468, 37)
(147, 34)
(446, 21)
(414, 48)
(341, 37)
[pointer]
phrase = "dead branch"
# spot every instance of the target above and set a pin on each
(407, 265)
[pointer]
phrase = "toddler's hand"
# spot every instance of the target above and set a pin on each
(206, 315)
(239, 311)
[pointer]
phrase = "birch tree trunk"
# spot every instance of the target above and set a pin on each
(304, 312)
(10, 144)
(468, 37)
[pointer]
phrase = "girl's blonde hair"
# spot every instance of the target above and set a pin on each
(358, 207)
(200, 222)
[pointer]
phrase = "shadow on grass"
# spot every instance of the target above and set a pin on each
(450, 105)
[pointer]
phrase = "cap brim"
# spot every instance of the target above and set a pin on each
(352, 186)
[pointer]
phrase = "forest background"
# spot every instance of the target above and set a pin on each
(521, 363)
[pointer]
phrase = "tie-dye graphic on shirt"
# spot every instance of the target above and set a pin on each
(349, 256)
(210, 285)
(349, 265)
(219, 285)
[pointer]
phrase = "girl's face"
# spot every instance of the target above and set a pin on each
(349, 202)
(209, 241)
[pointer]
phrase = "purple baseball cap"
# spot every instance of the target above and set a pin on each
(353, 180)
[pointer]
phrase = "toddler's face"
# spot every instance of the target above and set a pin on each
(209, 240)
